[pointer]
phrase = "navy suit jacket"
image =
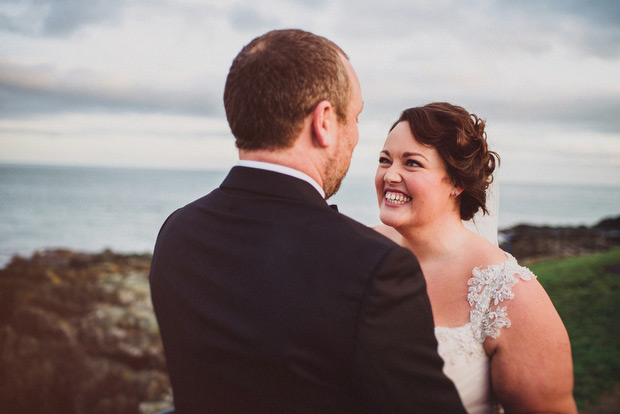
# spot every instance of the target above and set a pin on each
(269, 301)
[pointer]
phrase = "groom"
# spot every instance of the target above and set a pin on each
(270, 301)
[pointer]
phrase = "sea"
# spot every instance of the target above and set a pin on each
(90, 209)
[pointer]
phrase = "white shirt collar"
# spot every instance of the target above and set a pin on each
(282, 170)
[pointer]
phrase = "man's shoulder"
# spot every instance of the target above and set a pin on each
(352, 234)
(363, 231)
(179, 217)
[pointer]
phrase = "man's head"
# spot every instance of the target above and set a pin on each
(276, 81)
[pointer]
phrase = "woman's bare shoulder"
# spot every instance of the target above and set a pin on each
(481, 253)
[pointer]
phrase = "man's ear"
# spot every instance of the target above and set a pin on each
(323, 123)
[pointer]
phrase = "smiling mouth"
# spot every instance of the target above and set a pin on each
(396, 198)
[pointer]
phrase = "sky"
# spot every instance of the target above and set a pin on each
(135, 83)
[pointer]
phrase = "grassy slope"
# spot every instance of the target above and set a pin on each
(586, 293)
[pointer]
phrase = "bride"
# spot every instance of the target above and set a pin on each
(502, 341)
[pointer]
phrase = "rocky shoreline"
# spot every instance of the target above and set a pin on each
(529, 243)
(78, 334)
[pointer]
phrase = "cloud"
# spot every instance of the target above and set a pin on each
(111, 139)
(593, 113)
(591, 27)
(56, 18)
(28, 90)
(249, 19)
(600, 12)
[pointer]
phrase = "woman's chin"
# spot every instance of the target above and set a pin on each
(389, 218)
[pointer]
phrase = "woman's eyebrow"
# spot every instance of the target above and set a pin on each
(412, 154)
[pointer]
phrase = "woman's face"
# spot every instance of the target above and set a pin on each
(413, 188)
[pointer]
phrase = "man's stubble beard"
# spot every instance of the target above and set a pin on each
(332, 185)
(335, 171)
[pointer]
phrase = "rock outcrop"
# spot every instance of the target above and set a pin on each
(527, 242)
(78, 335)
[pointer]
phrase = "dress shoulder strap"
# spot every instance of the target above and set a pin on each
(489, 287)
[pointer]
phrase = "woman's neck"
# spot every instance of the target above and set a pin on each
(435, 240)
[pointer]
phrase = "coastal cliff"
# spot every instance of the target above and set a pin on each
(78, 333)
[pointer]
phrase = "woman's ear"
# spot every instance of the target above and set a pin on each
(323, 122)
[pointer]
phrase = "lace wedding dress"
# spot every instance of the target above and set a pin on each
(465, 361)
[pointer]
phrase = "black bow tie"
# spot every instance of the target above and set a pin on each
(333, 207)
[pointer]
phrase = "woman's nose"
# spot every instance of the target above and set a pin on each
(392, 175)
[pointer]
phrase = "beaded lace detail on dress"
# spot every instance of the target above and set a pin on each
(487, 288)
(458, 344)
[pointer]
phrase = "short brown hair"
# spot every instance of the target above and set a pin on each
(460, 140)
(276, 81)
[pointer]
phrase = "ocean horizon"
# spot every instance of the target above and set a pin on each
(90, 209)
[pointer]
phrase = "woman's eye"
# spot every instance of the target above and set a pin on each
(413, 163)
(383, 160)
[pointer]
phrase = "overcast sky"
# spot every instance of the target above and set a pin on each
(140, 83)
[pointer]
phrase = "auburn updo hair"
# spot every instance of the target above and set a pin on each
(460, 140)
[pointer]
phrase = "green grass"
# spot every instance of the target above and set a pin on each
(586, 292)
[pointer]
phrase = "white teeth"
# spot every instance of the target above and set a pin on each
(396, 198)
